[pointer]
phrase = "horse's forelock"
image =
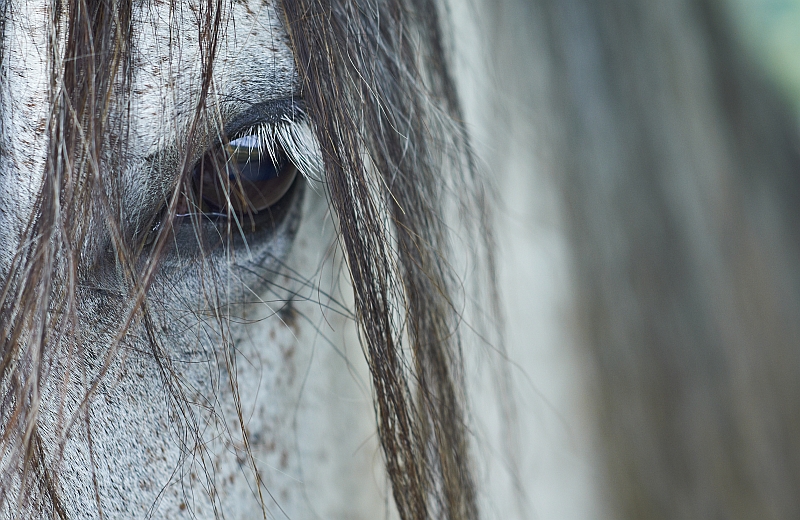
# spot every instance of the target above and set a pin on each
(387, 136)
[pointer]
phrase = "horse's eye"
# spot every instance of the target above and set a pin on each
(244, 177)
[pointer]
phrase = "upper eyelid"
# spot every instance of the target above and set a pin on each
(267, 113)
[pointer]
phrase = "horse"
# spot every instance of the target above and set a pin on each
(163, 289)
(251, 260)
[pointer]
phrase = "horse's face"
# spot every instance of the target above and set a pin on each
(199, 408)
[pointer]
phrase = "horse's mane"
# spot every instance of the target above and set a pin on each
(376, 89)
(678, 159)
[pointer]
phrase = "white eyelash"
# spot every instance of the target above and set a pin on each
(296, 140)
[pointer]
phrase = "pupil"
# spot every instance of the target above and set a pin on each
(243, 177)
(254, 170)
(251, 162)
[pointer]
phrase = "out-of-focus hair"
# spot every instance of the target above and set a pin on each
(680, 170)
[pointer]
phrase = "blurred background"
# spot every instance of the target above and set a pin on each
(770, 31)
(645, 156)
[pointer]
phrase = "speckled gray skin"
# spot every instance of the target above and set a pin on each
(304, 404)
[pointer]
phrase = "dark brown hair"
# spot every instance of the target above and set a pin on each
(378, 95)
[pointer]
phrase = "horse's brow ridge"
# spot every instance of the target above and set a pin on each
(267, 112)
